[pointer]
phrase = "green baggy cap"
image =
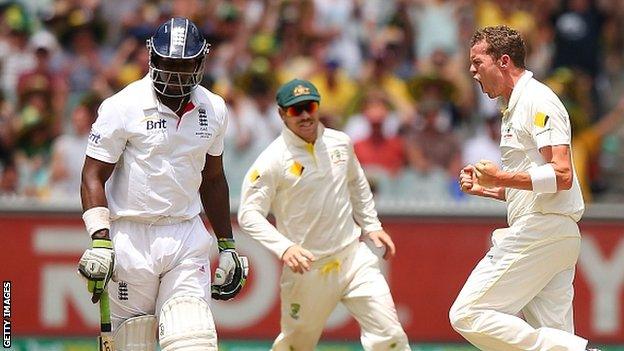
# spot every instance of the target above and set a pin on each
(296, 91)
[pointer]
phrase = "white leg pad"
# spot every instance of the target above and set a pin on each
(136, 334)
(186, 324)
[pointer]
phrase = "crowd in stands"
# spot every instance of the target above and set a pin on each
(393, 74)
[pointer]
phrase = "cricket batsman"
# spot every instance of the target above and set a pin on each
(152, 161)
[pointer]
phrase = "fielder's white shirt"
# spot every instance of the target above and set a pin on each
(159, 157)
(536, 118)
(317, 193)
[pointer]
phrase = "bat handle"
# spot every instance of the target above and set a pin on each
(105, 321)
(105, 340)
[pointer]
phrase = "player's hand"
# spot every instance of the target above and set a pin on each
(97, 265)
(468, 181)
(382, 241)
(231, 273)
(487, 172)
(298, 259)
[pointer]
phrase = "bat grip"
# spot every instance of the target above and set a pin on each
(105, 320)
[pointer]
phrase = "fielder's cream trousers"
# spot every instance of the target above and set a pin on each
(353, 277)
(528, 272)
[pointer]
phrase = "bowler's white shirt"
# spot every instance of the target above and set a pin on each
(522, 135)
(159, 157)
(317, 193)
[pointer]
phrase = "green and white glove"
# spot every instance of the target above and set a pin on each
(97, 265)
(231, 273)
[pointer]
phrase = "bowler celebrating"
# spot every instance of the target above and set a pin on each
(519, 296)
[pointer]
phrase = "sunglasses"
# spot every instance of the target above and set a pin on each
(297, 110)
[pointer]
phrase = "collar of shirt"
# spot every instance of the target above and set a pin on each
(293, 139)
(151, 102)
(517, 90)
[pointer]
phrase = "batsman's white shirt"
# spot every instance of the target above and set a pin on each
(159, 156)
(162, 246)
(535, 117)
(317, 192)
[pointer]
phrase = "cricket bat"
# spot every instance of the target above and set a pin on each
(105, 340)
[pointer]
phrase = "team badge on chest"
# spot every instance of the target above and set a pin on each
(203, 124)
(337, 157)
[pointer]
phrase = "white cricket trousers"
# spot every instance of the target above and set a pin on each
(528, 271)
(154, 262)
(353, 277)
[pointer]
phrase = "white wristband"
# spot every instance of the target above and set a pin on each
(96, 218)
(544, 179)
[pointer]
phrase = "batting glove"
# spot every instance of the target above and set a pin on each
(231, 274)
(97, 265)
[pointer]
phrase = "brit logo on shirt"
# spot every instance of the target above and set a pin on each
(159, 124)
(94, 137)
(154, 124)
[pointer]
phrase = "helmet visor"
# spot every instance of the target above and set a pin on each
(176, 77)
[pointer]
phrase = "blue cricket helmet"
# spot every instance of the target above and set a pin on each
(177, 52)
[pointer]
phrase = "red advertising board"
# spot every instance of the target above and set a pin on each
(435, 255)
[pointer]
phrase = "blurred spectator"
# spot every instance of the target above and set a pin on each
(377, 150)
(359, 126)
(435, 89)
(8, 171)
(9, 180)
(588, 144)
(68, 151)
(254, 124)
(251, 108)
(340, 22)
(337, 90)
(450, 72)
(43, 78)
(435, 23)
(485, 143)
(34, 140)
(129, 64)
(512, 13)
(379, 74)
(540, 50)
(85, 60)
(431, 143)
(7, 131)
(16, 57)
(578, 24)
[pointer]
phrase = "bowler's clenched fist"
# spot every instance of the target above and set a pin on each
(468, 181)
(487, 173)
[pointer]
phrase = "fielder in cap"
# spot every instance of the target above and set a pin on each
(312, 182)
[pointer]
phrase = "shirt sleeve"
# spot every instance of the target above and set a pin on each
(361, 195)
(217, 146)
(550, 124)
(257, 194)
(108, 136)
